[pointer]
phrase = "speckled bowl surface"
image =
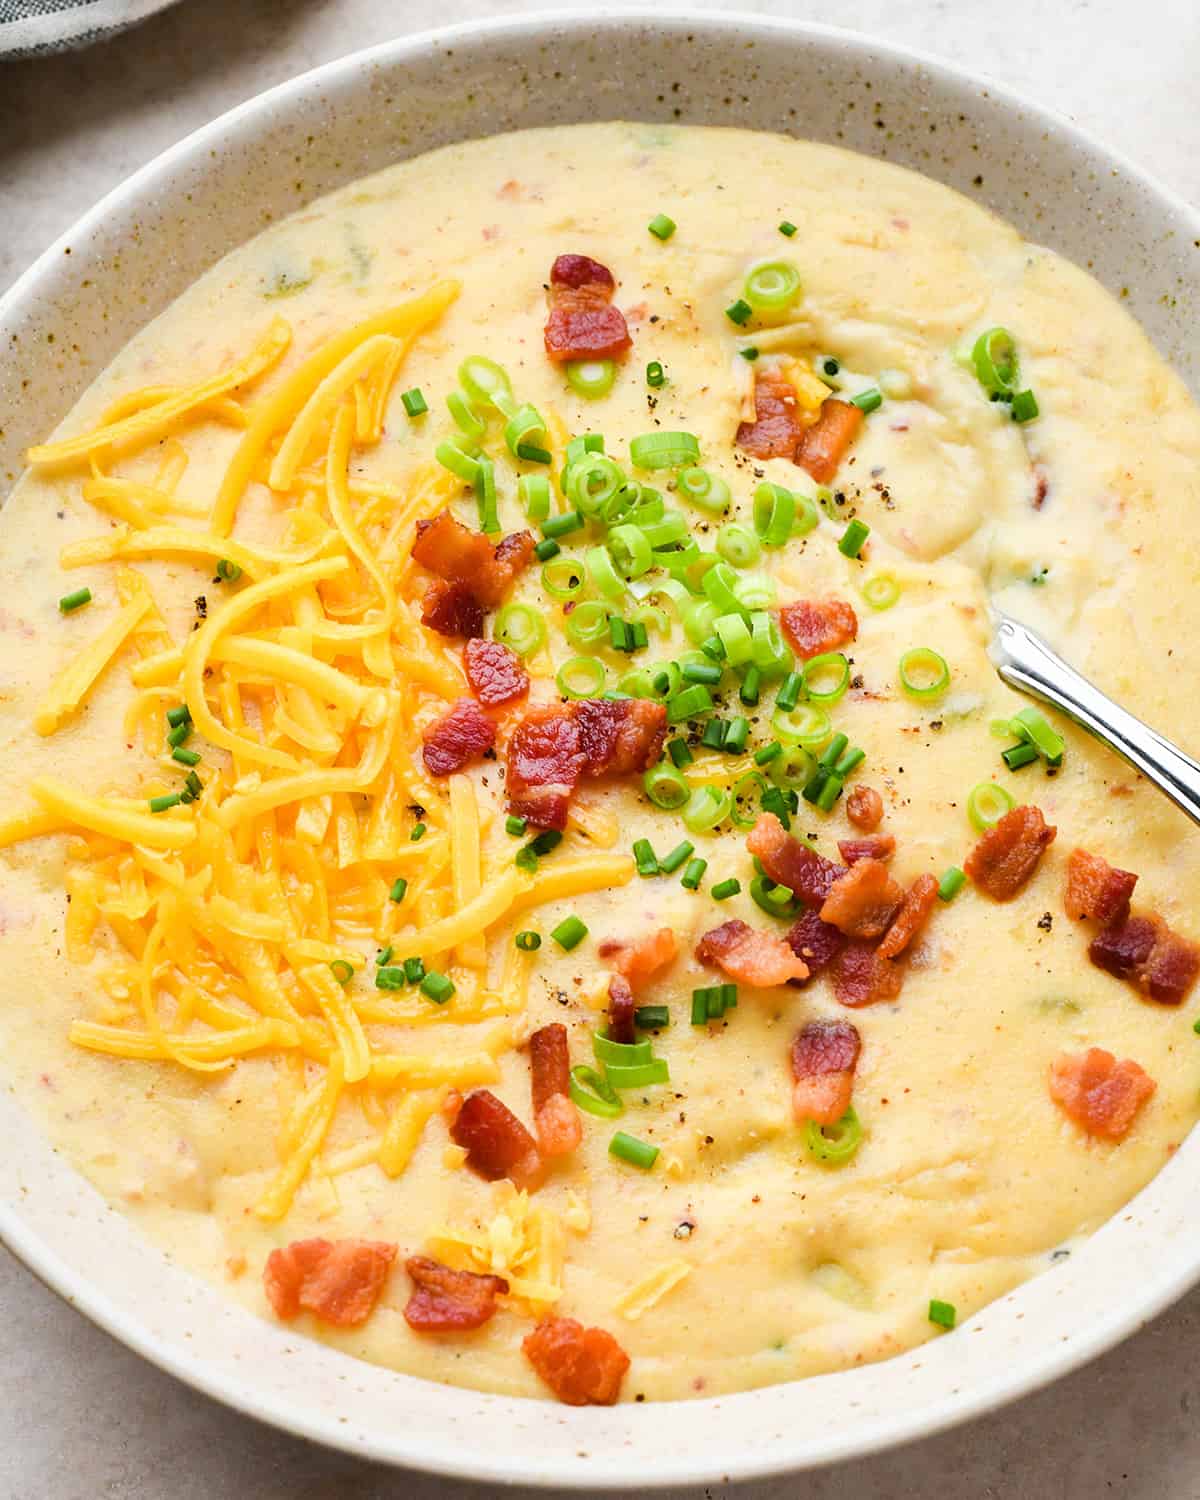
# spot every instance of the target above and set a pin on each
(124, 262)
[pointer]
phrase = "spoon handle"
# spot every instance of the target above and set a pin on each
(1026, 662)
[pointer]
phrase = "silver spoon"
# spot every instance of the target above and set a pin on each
(1026, 662)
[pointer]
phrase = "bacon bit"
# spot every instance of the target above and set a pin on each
(919, 903)
(777, 425)
(1122, 948)
(582, 1366)
(814, 626)
(789, 862)
(750, 956)
(337, 1280)
(620, 1010)
(863, 902)
(874, 846)
(494, 672)
(619, 737)
(556, 1119)
(816, 942)
(1099, 1093)
(1172, 968)
(1147, 953)
(455, 553)
(823, 445)
(459, 737)
(583, 324)
(452, 609)
(824, 1056)
(1097, 890)
(1008, 854)
(861, 977)
(640, 961)
(446, 1301)
(864, 806)
(496, 1143)
(544, 764)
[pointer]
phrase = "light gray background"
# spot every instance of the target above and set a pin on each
(83, 1419)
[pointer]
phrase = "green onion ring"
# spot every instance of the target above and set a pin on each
(664, 450)
(738, 545)
(637, 1075)
(771, 655)
(562, 577)
(630, 550)
(881, 591)
(807, 724)
(453, 455)
(830, 664)
(666, 787)
(670, 527)
(591, 1093)
(734, 634)
(581, 677)
(468, 419)
(520, 627)
(747, 790)
(776, 900)
(807, 516)
(987, 804)
(706, 491)
(602, 575)
(524, 423)
(533, 491)
(592, 481)
(587, 623)
(719, 584)
(756, 591)
(995, 359)
(923, 673)
(706, 808)
(793, 766)
(650, 615)
(774, 513)
(834, 1150)
(772, 286)
(592, 378)
(699, 618)
(623, 1054)
(484, 380)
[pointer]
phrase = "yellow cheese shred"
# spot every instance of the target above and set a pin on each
(70, 688)
(651, 1289)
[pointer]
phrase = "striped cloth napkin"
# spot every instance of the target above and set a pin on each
(30, 27)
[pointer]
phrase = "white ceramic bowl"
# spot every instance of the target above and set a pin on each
(145, 243)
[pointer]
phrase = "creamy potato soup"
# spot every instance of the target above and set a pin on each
(516, 862)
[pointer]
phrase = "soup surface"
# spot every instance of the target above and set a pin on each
(207, 999)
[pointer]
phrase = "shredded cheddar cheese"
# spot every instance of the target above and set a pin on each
(522, 1242)
(652, 1288)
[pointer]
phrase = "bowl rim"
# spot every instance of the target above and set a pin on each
(418, 1451)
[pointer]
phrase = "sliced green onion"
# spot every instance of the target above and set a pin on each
(414, 970)
(525, 424)
(851, 761)
(399, 889)
(694, 874)
(701, 671)
(388, 977)
(706, 808)
(689, 703)
(738, 545)
(192, 757)
(515, 826)
(881, 591)
(228, 572)
(629, 1149)
(384, 956)
(528, 941)
(923, 673)
(602, 575)
(484, 380)
(485, 495)
(987, 804)
(787, 228)
(1024, 407)
(546, 549)
(666, 787)
(853, 539)
(749, 352)
(341, 970)
(807, 724)
(1034, 726)
(951, 883)
(468, 420)
(671, 527)
(791, 766)
(826, 677)
(830, 791)
(708, 492)
(587, 623)
(868, 400)
(533, 454)
(748, 692)
(661, 227)
(725, 888)
(75, 600)
(630, 549)
(591, 1093)
(771, 655)
(1022, 754)
(699, 619)
(592, 378)
(680, 755)
(739, 312)
(736, 641)
(178, 716)
(414, 402)
(417, 834)
(655, 374)
(942, 1313)
(720, 584)
(737, 732)
(562, 577)
(664, 450)
(775, 900)
(774, 513)
(592, 482)
(581, 677)
(832, 751)
(767, 753)
(744, 794)
(828, 369)
(437, 987)
(619, 635)
(789, 691)
(994, 357)
(834, 1145)
(620, 1054)
(645, 858)
(638, 1075)
(772, 286)
(569, 933)
(669, 863)
(652, 1017)
(179, 734)
(713, 737)
(520, 627)
(453, 456)
(161, 804)
(563, 525)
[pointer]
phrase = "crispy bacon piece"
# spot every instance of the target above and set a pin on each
(1122, 948)
(555, 1116)
(919, 902)
(777, 425)
(1096, 890)
(824, 1056)
(640, 960)
(816, 942)
(874, 846)
(337, 1280)
(619, 737)
(823, 445)
(459, 737)
(863, 902)
(583, 324)
(496, 1143)
(750, 955)
(494, 672)
(789, 862)
(544, 765)
(446, 1301)
(864, 805)
(582, 1366)
(452, 609)
(1098, 1092)
(814, 626)
(861, 977)
(455, 553)
(1171, 969)
(1145, 951)
(1008, 854)
(621, 1007)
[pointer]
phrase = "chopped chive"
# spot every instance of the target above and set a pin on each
(193, 786)
(185, 757)
(776, 800)
(546, 842)
(1022, 754)
(789, 691)
(618, 634)
(669, 863)
(749, 353)
(160, 804)
(516, 826)
(547, 549)
(655, 374)
(180, 715)
(652, 1017)
(1024, 406)
(714, 734)
(228, 572)
(414, 970)
(714, 648)
(417, 834)
(737, 732)
(833, 751)
(661, 227)
(725, 888)
(700, 1007)
(867, 401)
(647, 861)
(437, 987)
(414, 402)
(1035, 727)
(527, 941)
(853, 538)
(341, 970)
(525, 859)
(694, 874)
(569, 933)
(942, 1313)
(532, 454)
(399, 890)
(636, 1153)
(788, 228)
(679, 752)
(641, 640)
(384, 957)
(389, 978)
(739, 312)
(767, 753)
(181, 732)
(830, 792)
(748, 692)
(813, 786)
(559, 526)
(852, 759)
(951, 883)
(77, 600)
(700, 671)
